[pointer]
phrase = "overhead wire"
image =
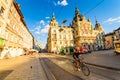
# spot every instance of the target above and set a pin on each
(94, 7)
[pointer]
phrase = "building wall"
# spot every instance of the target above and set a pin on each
(14, 30)
(59, 36)
(109, 40)
(117, 34)
(82, 32)
(4, 9)
(85, 34)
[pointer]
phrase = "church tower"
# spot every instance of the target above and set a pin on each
(98, 27)
(53, 22)
(52, 34)
(100, 42)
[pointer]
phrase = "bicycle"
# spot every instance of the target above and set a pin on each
(85, 70)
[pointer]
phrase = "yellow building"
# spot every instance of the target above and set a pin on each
(15, 34)
(117, 34)
(109, 40)
(81, 32)
(59, 36)
(85, 34)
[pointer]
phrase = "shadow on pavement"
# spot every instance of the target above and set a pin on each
(4, 74)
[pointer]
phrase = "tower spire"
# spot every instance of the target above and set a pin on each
(77, 11)
(53, 16)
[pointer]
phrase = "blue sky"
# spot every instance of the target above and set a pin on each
(37, 14)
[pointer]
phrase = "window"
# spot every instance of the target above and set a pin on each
(13, 25)
(6, 1)
(54, 24)
(54, 30)
(76, 32)
(60, 42)
(54, 36)
(64, 37)
(6, 34)
(12, 37)
(14, 14)
(60, 36)
(69, 37)
(1, 10)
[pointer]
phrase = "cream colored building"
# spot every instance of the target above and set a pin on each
(59, 36)
(15, 34)
(109, 40)
(85, 34)
(81, 32)
(117, 34)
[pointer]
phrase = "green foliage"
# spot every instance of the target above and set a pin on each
(62, 51)
(71, 50)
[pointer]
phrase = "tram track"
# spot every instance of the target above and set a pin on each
(54, 72)
(48, 73)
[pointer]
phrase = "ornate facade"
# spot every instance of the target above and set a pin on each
(109, 40)
(81, 32)
(85, 34)
(14, 34)
(59, 36)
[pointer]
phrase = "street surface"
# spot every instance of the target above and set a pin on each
(47, 66)
(58, 73)
(97, 73)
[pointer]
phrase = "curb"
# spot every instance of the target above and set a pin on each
(97, 65)
(107, 67)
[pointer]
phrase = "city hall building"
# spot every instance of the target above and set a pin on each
(80, 31)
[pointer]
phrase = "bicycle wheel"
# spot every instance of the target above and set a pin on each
(85, 70)
(74, 66)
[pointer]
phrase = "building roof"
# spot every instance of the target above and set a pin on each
(117, 29)
(111, 33)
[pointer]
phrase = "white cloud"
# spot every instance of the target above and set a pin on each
(62, 3)
(32, 30)
(38, 28)
(37, 32)
(47, 17)
(40, 31)
(45, 29)
(111, 20)
(42, 22)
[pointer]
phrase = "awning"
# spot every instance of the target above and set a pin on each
(1, 42)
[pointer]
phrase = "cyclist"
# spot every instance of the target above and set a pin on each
(77, 51)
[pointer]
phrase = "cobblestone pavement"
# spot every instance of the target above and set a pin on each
(22, 68)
